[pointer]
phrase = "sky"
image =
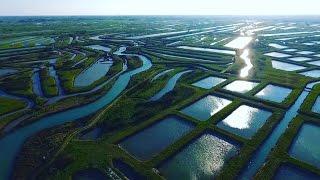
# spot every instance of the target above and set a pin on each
(159, 7)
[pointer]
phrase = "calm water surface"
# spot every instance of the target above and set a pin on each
(202, 159)
(274, 93)
(245, 121)
(154, 139)
(306, 145)
(206, 107)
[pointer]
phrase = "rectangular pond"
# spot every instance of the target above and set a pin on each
(316, 106)
(312, 73)
(316, 63)
(290, 50)
(219, 51)
(239, 43)
(277, 55)
(286, 66)
(245, 121)
(274, 93)
(305, 52)
(291, 172)
(99, 47)
(206, 107)
(241, 86)
(305, 146)
(277, 46)
(209, 82)
(299, 59)
(155, 138)
(201, 159)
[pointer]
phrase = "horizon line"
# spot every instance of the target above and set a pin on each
(43, 15)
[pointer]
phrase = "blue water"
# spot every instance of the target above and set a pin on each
(99, 47)
(36, 84)
(11, 143)
(92, 134)
(161, 74)
(316, 106)
(4, 72)
(259, 156)
(154, 139)
(89, 174)
(241, 86)
(312, 73)
(127, 170)
(274, 93)
(305, 146)
(169, 86)
(53, 73)
(291, 172)
(206, 107)
(245, 121)
(286, 66)
(201, 159)
(92, 74)
(209, 82)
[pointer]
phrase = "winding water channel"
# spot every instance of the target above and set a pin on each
(11, 143)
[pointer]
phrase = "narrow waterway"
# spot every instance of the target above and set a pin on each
(36, 83)
(260, 155)
(245, 57)
(11, 143)
(169, 86)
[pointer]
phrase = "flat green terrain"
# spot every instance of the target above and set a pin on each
(90, 96)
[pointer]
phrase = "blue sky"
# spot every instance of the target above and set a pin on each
(160, 7)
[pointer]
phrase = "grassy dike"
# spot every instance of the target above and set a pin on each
(8, 105)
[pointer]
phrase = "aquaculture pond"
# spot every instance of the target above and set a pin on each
(241, 86)
(99, 47)
(4, 72)
(93, 134)
(274, 93)
(316, 106)
(12, 142)
(312, 73)
(277, 55)
(169, 86)
(154, 139)
(260, 155)
(127, 170)
(209, 82)
(245, 121)
(305, 146)
(290, 50)
(287, 171)
(203, 158)
(206, 107)
(316, 63)
(221, 51)
(305, 52)
(89, 174)
(286, 66)
(93, 73)
(299, 59)
(277, 46)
